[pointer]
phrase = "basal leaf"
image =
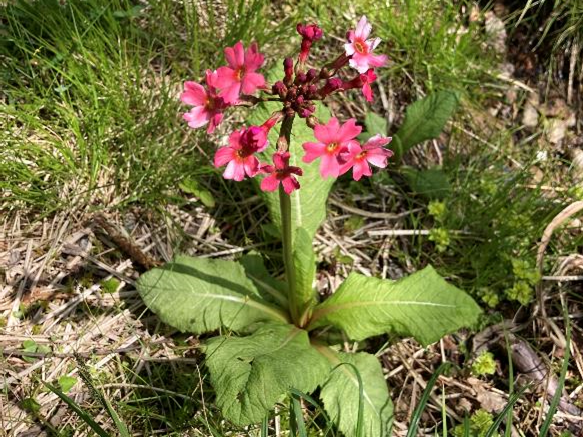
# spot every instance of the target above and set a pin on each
(250, 374)
(305, 269)
(200, 295)
(422, 305)
(341, 395)
(425, 119)
(270, 288)
(309, 202)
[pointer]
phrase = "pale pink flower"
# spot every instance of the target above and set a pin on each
(208, 106)
(240, 77)
(359, 158)
(333, 140)
(239, 155)
(359, 48)
(282, 172)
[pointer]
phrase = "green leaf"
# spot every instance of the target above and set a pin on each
(342, 398)
(425, 120)
(200, 295)
(309, 202)
(422, 305)
(305, 269)
(375, 124)
(193, 187)
(270, 288)
(431, 183)
(250, 374)
(66, 383)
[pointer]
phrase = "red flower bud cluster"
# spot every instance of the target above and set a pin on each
(298, 91)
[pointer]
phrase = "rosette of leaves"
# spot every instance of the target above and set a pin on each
(263, 354)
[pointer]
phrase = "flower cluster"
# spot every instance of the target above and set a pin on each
(336, 144)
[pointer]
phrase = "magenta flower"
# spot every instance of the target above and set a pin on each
(372, 152)
(239, 155)
(208, 106)
(359, 48)
(333, 140)
(282, 172)
(362, 81)
(240, 77)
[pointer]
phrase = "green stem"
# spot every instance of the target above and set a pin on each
(283, 143)
(288, 261)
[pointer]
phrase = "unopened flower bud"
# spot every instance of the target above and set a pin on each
(310, 32)
(300, 78)
(331, 85)
(300, 100)
(311, 122)
(292, 92)
(312, 90)
(311, 74)
(280, 89)
(288, 69)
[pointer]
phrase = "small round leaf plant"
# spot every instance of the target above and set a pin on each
(278, 335)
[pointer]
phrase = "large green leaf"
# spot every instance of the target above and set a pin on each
(250, 374)
(422, 305)
(200, 295)
(305, 270)
(425, 120)
(341, 394)
(309, 202)
(271, 289)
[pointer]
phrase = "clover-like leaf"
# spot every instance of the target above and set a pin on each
(200, 295)
(250, 374)
(422, 305)
(341, 394)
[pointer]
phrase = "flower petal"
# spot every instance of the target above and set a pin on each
(231, 93)
(313, 151)
(329, 166)
(194, 94)
(235, 170)
(348, 131)
(223, 156)
(363, 28)
(290, 184)
(270, 183)
(252, 81)
(197, 117)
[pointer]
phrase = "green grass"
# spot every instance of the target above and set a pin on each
(91, 97)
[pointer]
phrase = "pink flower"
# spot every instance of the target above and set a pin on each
(359, 48)
(208, 107)
(362, 81)
(368, 78)
(239, 155)
(333, 140)
(282, 172)
(239, 76)
(372, 152)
